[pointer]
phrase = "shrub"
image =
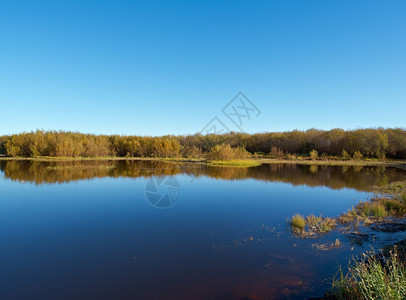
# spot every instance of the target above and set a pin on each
(345, 155)
(357, 155)
(313, 154)
(226, 152)
(324, 156)
(276, 153)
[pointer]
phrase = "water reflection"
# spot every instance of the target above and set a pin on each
(98, 239)
(162, 191)
(358, 178)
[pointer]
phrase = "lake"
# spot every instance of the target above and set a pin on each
(161, 230)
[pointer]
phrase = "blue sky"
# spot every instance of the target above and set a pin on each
(169, 67)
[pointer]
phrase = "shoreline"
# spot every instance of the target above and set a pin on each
(241, 163)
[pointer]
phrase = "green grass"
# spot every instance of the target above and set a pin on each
(373, 209)
(348, 217)
(311, 225)
(235, 163)
(80, 168)
(298, 223)
(183, 159)
(370, 278)
(394, 207)
(377, 209)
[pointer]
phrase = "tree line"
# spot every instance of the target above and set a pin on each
(375, 143)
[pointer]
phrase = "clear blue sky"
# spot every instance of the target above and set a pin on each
(169, 67)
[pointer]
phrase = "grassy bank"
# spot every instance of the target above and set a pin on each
(336, 162)
(58, 168)
(233, 162)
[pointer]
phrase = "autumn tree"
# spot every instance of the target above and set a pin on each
(378, 143)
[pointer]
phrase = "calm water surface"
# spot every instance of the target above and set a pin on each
(153, 230)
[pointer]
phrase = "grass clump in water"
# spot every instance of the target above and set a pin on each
(311, 225)
(298, 223)
(320, 224)
(375, 210)
(372, 278)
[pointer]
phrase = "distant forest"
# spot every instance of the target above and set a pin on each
(345, 144)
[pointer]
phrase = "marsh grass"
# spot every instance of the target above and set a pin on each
(321, 224)
(348, 217)
(331, 161)
(326, 246)
(376, 209)
(298, 223)
(311, 225)
(372, 277)
(394, 207)
(78, 167)
(390, 201)
(373, 209)
(235, 163)
(183, 159)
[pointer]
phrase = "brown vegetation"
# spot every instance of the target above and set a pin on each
(353, 144)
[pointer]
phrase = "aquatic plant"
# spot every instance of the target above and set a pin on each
(320, 224)
(348, 217)
(327, 246)
(372, 277)
(311, 225)
(376, 209)
(373, 209)
(298, 223)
